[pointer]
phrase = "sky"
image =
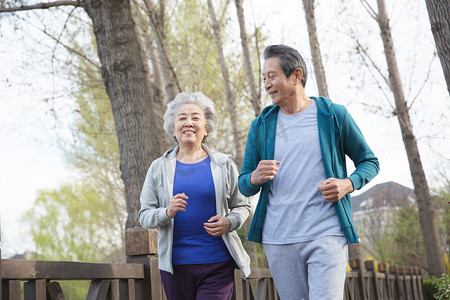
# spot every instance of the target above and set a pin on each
(31, 160)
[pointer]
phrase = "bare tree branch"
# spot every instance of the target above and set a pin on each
(77, 3)
(370, 10)
(93, 63)
(362, 51)
(54, 50)
(424, 82)
(151, 10)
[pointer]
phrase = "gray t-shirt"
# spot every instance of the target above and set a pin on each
(296, 210)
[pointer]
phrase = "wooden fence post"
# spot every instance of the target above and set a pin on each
(141, 247)
(372, 283)
(355, 264)
(382, 268)
(393, 282)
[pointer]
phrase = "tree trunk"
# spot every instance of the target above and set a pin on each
(127, 86)
(308, 5)
(427, 213)
(158, 101)
(439, 13)
(172, 86)
(255, 92)
(228, 93)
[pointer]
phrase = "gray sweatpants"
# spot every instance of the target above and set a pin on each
(311, 270)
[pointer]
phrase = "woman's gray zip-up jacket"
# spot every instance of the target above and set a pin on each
(158, 189)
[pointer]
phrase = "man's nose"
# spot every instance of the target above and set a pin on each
(267, 84)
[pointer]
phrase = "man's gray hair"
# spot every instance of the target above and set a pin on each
(198, 98)
(290, 59)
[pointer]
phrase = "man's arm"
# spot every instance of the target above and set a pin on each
(357, 149)
(249, 164)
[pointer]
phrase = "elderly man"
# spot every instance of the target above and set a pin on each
(295, 156)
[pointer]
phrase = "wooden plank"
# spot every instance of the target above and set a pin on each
(259, 273)
(115, 289)
(140, 241)
(65, 270)
(263, 290)
(98, 290)
(11, 289)
(142, 286)
(54, 291)
(131, 290)
(238, 292)
(155, 279)
(35, 289)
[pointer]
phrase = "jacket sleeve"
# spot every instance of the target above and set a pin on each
(151, 214)
(249, 164)
(237, 203)
(357, 149)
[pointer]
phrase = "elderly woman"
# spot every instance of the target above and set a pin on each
(191, 195)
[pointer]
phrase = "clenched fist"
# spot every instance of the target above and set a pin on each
(265, 171)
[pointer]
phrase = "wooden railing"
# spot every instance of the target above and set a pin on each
(139, 278)
(396, 283)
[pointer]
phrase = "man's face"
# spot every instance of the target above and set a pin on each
(280, 88)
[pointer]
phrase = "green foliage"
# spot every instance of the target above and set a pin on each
(402, 242)
(428, 288)
(72, 223)
(442, 287)
(442, 203)
(195, 58)
(83, 220)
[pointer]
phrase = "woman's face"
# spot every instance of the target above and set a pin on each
(190, 125)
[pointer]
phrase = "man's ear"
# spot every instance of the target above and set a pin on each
(298, 75)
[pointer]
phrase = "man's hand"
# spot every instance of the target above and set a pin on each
(177, 203)
(265, 171)
(334, 189)
(217, 225)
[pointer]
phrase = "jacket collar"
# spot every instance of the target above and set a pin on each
(323, 106)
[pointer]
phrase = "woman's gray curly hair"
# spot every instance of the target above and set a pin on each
(195, 98)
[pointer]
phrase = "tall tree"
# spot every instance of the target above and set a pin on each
(157, 17)
(255, 92)
(127, 86)
(319, 70)
(237, 138)
(439, 13)
(427, 213)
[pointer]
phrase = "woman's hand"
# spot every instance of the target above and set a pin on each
(177, 203)
(217, 225)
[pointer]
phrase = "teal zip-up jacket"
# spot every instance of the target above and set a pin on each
(339, 136)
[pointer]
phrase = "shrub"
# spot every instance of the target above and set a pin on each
(441, 287)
